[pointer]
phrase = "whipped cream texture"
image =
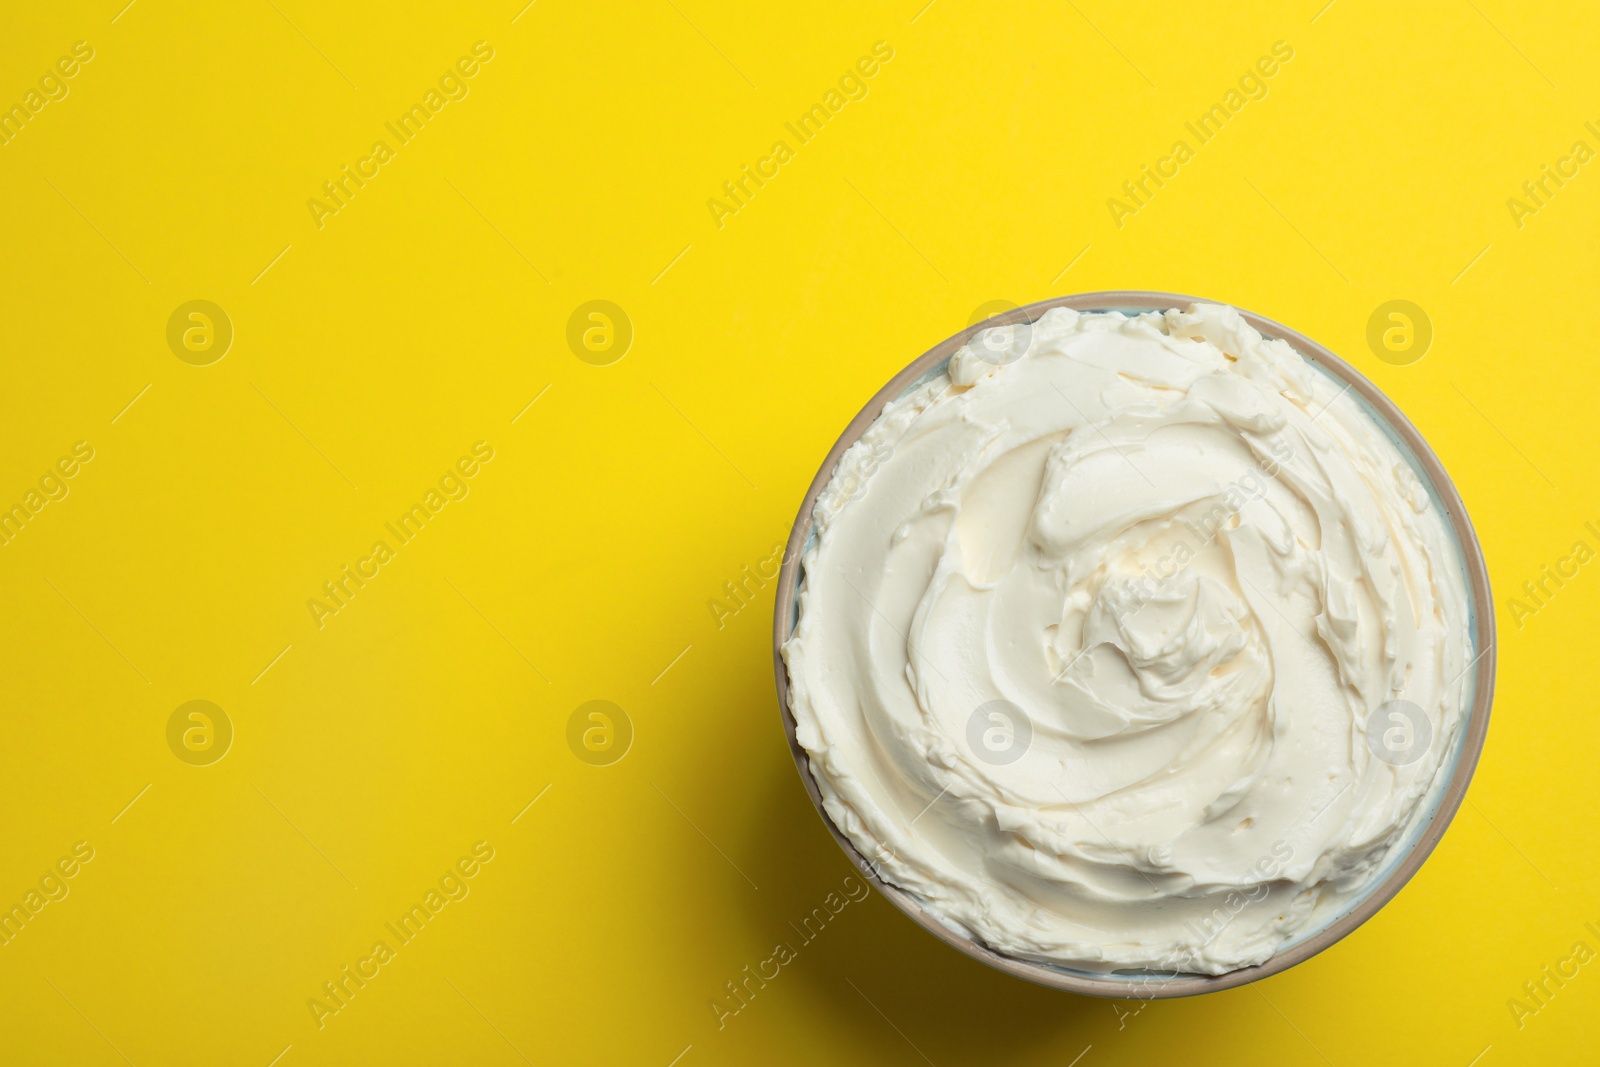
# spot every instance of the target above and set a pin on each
(1129, 644)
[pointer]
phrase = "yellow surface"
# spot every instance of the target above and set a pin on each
(374, 747)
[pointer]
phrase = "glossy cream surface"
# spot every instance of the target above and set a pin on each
(1129, 643)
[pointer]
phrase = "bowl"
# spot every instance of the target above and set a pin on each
(1467, 745)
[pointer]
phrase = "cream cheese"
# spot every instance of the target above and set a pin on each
(1129, 643)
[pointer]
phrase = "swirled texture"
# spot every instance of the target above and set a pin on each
(1099, 637)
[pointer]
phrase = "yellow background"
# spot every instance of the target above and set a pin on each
(431, 310)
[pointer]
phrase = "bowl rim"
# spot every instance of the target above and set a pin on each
(1475, 733)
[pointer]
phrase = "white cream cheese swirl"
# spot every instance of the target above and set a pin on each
(1099, 644)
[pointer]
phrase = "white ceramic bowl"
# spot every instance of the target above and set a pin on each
(1466, 746)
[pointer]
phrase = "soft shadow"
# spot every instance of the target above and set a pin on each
(872, 967)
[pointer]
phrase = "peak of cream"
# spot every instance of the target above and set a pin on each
(1095, 627)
